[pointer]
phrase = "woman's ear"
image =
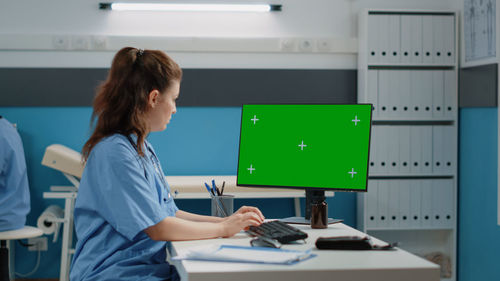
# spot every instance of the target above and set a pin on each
(153, 98)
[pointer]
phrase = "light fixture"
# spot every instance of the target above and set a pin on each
(190, 7)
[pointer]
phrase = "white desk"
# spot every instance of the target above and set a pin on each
(328, 265)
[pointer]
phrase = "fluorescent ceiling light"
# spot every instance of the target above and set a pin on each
(190, 7)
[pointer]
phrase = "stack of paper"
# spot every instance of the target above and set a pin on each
(230, 253)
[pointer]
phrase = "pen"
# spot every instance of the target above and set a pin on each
(222, 189)
(210, 191)
(216, 190)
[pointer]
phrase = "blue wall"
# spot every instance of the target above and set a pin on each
(479, 234)
(198, 141)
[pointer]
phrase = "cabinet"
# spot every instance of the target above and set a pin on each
(407, 68)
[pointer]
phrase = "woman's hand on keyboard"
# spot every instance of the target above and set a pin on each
(242, 219)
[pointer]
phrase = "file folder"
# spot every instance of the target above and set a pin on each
(438, 197)
(427, 40)
(450, 92)
(371, 204)
(426, 94)
(437, 93)
(373, 39)
(383, 203)
(404, 150)
(394, 38)
(384, 84)
(382, 149)
(448, 204)
(394, 204)
(416, 81)
(449, 39)
(404, 204)
(393, 110)
(438, 148)
(449, 150)
(426, 142)
(437, 23)
(406, 40)
(374, 154)
(415, 150)
(416, 39)
(392, 150)
(415, 203)
(404, 108)
(426, 201)
(372, 91)
(384, 37)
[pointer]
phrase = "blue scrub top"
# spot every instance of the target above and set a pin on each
(120, 195)
(14, 189)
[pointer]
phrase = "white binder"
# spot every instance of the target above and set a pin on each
(426, 93)
(416, 39)
(426, 202)
(404, 204)
(394, 204)
(449, 150)
(416, 81)
(437, 23)
(404, 107)
(371, 204)
(404, 150)
(448, 206)
(438, 197)
(384, 83)
(426, 142)
(415, 203)
(406, 34)
(437, 94)
(392, 150)
(415, 150)
(393, 110)
(372, 91)
(394, 38)
(383, 203)
(449, 39)
(382, 150)
(427, 40)
(373, 39)
(438, 147)
(384, 36)
(450, 90)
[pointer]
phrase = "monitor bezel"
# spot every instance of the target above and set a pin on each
(308, 187)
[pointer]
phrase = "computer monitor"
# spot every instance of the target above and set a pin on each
(315, 147)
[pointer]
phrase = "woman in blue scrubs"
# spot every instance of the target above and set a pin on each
(124, 211)
(14, 189)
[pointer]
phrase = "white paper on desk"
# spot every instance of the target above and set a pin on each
(230, 253)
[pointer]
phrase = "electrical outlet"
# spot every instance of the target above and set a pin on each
(306, 45)
(99, 43)
(39, 243)
(324, 45)
(60, 42)
(80, 42)
(287, 45)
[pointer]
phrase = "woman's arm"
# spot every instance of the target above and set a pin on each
(177, 229)
(194, 217)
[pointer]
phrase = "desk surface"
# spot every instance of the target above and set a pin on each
(338, 265)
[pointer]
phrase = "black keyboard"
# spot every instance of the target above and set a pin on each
(278, 230)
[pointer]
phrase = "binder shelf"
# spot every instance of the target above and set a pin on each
(407, 68)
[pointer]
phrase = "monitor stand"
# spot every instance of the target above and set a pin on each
(311, 197)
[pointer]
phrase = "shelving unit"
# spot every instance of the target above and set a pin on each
(407, 68)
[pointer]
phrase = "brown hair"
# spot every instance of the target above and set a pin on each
(121, 101)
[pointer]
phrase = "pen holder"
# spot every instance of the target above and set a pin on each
(223, 202)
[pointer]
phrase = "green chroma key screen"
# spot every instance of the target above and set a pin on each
(305, 146)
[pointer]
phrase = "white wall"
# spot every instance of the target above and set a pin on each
(28, 29)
